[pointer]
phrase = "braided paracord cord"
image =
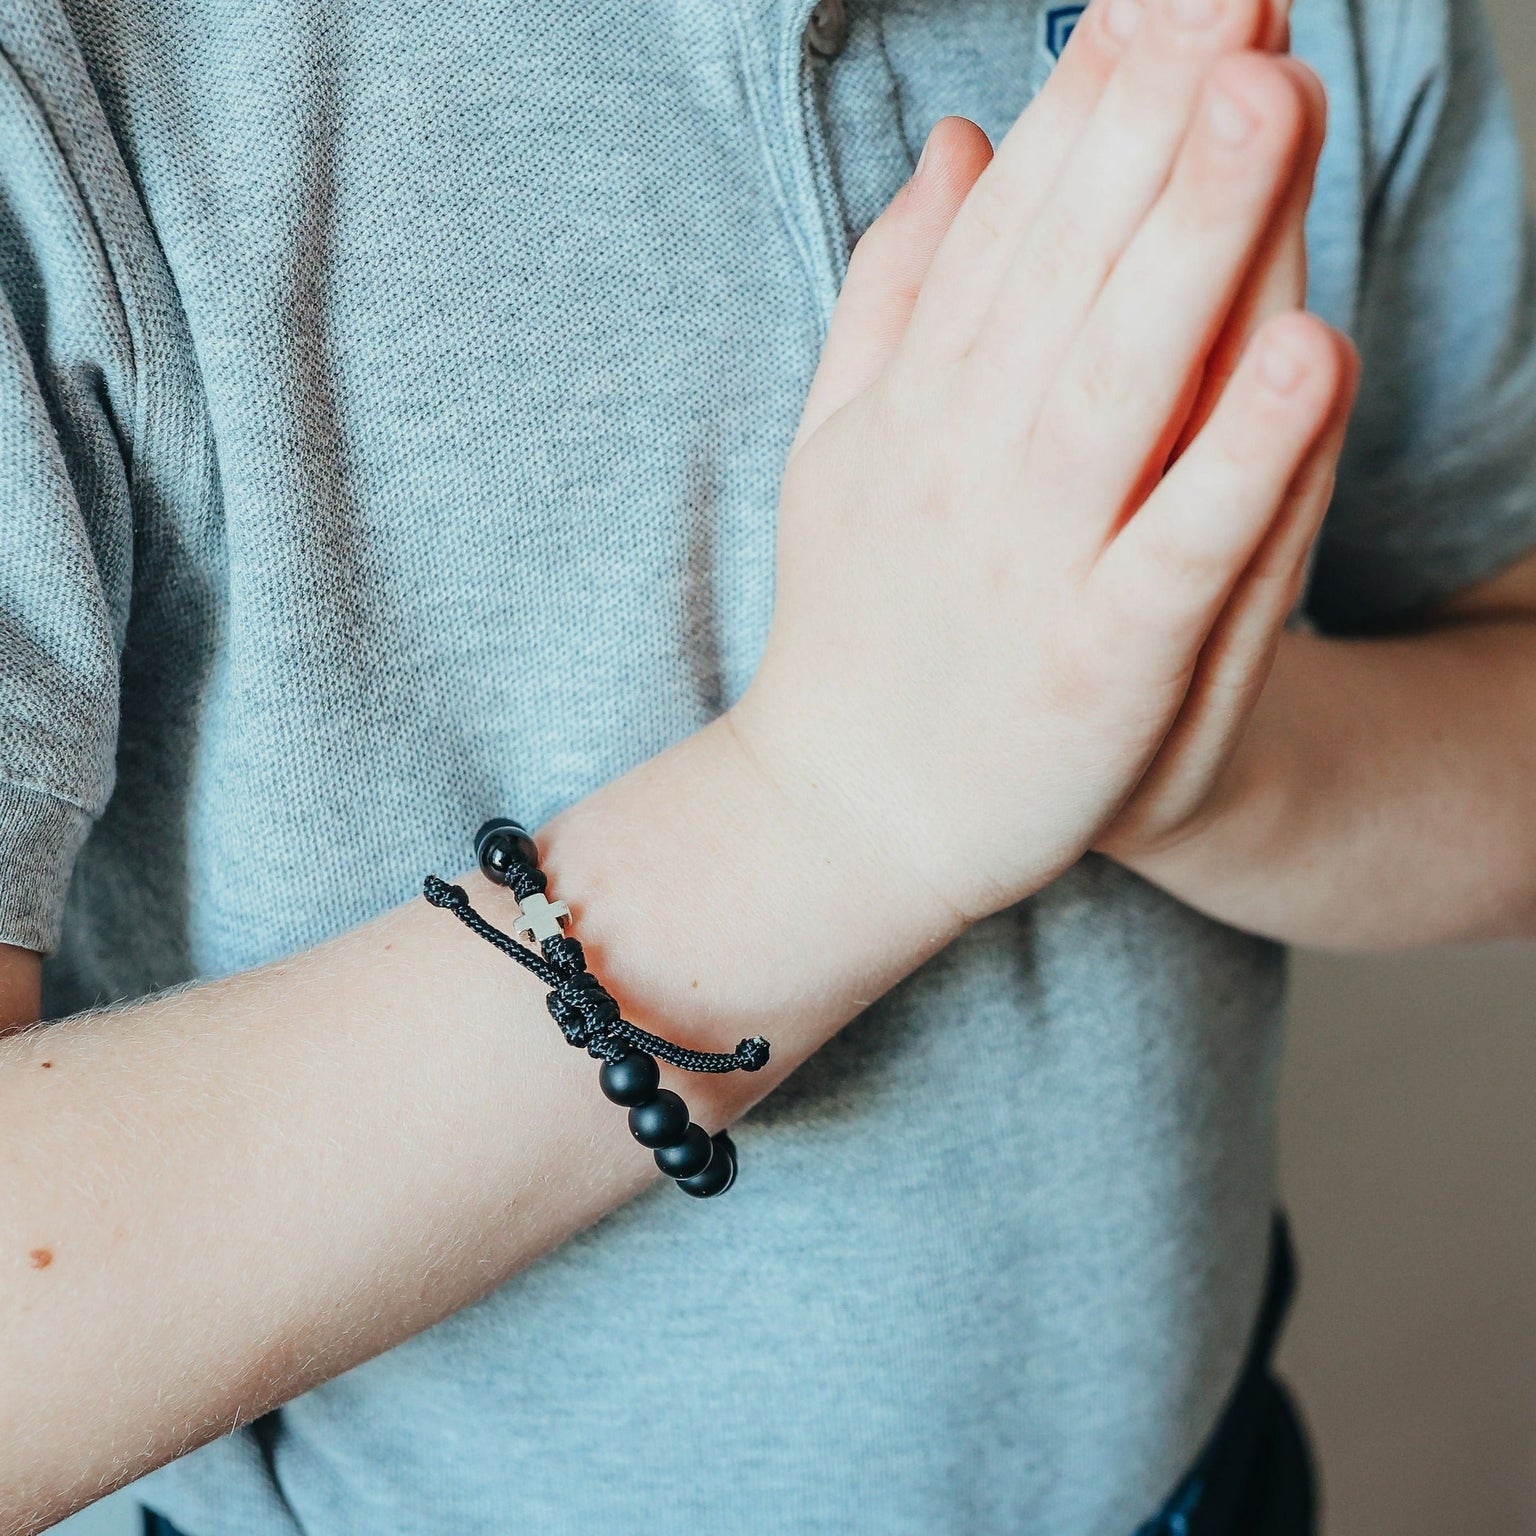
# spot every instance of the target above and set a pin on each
(580, 1007)
(589, 1018)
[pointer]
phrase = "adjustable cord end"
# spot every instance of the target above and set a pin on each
(752, 1055)
(453, 897)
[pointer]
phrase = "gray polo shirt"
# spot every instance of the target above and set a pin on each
(392, 403)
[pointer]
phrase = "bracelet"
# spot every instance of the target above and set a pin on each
(703, 1165)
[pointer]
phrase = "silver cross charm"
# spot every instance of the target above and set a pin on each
(540, 916)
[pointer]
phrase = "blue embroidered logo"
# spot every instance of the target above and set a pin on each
(1059, 22)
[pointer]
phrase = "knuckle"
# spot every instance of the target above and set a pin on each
(1185, 570)
(1057, 250)
(1092, 396)
(1069, 681)
(1101, 383)
(1148, 627)
(989, 210)
(1059, 439)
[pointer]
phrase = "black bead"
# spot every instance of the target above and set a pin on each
(659, 1122)
(688, 1157)
(718, 1176)
(632, 1079)
(500, 845)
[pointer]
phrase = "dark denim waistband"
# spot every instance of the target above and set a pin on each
(1254, 1475)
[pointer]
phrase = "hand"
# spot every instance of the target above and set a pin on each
(993, 587)
(1190, 781)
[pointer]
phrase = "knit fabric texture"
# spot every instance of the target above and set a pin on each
(392, 404)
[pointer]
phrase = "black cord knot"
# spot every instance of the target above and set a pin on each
(564, 953)
(566, 1008)
(583, 1008)
(752, 1055)
(599, 1004)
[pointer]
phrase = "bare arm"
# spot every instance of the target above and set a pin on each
(1384, 794)
(218, 1198)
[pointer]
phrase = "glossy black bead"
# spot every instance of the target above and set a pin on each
(501, 845)
(718, 1176)
(632, 1079)
(688, 1157)
(661, 1121)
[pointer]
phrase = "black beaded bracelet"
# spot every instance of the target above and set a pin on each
(703, 1165)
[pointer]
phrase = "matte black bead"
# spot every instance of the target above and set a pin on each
(632, 1079)
(688, 1157)
(661, 1121)
(718, 1176)
(500, 845)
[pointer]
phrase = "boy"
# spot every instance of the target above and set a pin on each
(395, 408)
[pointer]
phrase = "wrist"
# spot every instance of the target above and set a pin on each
(880, 852)
(715, 906)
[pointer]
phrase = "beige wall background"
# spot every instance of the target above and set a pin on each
(1409, 1168)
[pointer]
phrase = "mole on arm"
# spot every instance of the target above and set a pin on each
(41, 1258)
(46, 1065)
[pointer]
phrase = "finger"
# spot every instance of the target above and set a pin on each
(1267, 591)
(1235, 660)
(1277, 281)
(887, 268)
(1105, 432)
(1159, 586)
(971, 259)
(1110, 181)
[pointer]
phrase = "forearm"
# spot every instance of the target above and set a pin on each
(1383, 796)
(220, 1197)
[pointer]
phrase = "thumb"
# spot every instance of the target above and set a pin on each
(888, 266)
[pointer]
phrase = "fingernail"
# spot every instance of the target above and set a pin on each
(1279, 366)
(1194, 13)
(1230, 119)
(1122, 18)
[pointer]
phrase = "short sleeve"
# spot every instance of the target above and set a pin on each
(66, 540)
(1437, 484)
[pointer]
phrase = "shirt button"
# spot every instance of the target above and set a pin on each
(827, 29)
